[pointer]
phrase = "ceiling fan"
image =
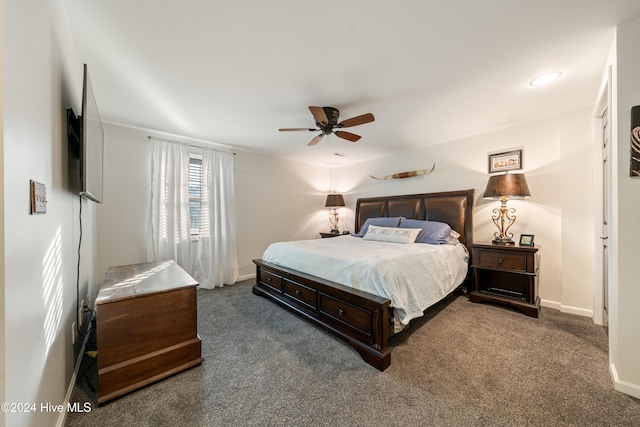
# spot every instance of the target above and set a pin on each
(327, 123)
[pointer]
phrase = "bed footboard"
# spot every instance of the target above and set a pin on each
(362, 319)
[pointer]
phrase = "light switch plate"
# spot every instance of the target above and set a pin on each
(38, 198)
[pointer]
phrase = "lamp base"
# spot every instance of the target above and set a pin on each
(503, 241)
(333, 220)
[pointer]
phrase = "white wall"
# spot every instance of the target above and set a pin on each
(276, 199)
(2, 245)
(42, 76)
(625, 289)
(122, 217)
(577, 210)
(557, 162)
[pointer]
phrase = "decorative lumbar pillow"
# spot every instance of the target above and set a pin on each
(391, 234)
(392, 221)
(433, 232)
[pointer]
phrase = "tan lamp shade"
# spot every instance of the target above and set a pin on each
(334, 201)
(508, 185)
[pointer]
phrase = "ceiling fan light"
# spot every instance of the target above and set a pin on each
(545, 78)
(327, 122)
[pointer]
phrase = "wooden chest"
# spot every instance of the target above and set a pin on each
(146, 326)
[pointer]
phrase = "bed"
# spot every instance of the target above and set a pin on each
(364, 317)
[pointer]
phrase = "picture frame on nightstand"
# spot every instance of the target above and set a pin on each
(526, 239)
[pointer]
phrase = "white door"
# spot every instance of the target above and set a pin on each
(604, 236)
(602, 195)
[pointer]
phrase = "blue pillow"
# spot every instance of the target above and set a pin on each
(393, 221)
(433, 232)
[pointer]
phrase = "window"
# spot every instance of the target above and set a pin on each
(195, 194)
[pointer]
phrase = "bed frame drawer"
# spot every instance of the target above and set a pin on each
(302, 294)
(271, 280)
(347, 314)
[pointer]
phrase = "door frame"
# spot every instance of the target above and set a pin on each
(604, 103)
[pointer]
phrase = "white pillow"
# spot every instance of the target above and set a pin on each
(391, 234)
(453, 238)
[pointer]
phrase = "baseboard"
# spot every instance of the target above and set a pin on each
(566, 308)
(623, 386)
(63, 414)
(550, 304)
(246, 277)
(577, 310)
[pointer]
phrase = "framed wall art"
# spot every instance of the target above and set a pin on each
(634, 167)
(506, 161)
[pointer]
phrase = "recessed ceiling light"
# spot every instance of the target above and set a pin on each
(545, 78)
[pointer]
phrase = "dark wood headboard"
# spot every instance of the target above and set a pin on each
(453, 207)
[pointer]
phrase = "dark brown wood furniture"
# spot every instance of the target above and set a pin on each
(328, 235)
(146, 326)
(506, 275)
(364, 320)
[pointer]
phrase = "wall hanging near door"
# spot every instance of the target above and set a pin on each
(635, 141)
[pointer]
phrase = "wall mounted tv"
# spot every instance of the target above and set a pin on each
(86, 136)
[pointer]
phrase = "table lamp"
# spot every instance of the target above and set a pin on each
(334, 201)
(504, 187)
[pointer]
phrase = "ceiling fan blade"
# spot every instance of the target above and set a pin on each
(347, 135)
(319, 114)
(315, 140)
(296, 129)
(355, 121)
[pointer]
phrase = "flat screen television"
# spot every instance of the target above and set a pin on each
(91, 144)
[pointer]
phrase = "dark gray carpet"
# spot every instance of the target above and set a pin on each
(462, 364)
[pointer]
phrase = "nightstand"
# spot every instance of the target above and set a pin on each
(327, 235)
(506, 275)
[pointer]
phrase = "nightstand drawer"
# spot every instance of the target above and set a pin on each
(501, 259)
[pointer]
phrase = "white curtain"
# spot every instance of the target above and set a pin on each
(169, 235)
(216, 259)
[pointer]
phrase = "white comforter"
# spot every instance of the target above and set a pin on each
(413, 276)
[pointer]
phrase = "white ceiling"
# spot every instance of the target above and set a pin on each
(430, 71)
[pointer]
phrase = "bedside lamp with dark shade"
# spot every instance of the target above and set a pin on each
(334, 201)
(504, 187)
